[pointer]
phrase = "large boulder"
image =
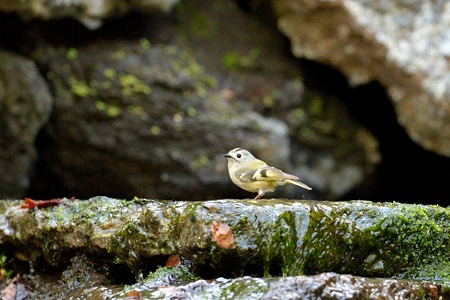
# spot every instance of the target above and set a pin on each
(131, 120)
(404, 46)
(25, 107)
(162, 248)
(329, 148)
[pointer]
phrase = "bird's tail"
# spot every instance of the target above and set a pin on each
(298, 183)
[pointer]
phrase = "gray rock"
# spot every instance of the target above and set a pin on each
(89, 12)
(402, 46)
(25, 106)
(330, 150)
(334, 152)
(133, 118)
(149, 123)
(81, 280)
(270, 237)
(321, 286)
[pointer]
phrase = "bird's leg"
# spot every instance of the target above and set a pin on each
(260, 194)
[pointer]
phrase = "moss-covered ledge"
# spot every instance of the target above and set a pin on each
(271, 237)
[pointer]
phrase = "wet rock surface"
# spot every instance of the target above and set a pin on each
(322, 286)
(271, 237)
(334, 286)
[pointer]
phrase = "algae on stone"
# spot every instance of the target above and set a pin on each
(272, 237)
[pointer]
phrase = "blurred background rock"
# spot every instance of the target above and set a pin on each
(142, 98)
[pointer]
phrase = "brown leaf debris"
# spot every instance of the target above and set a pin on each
(222, 235)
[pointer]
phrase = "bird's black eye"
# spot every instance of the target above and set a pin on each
(238, 156)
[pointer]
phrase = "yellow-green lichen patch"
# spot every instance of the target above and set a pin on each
(316, 106)
(131, 85)
(267, 99)
(192, 112)
(236, 62)
(183, 63)
(137, 111)
(155, 130)
(117, 55)
(72, 53)
(110, 110)
(145, 43)
(200, 162)
(297, 116)
(109, 74)
(196, 22)
(80, 88)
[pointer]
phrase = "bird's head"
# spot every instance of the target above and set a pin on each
(239, 156)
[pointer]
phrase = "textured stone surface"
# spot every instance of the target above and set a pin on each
(133, 120)
(89, 12)
(321, 286)
(329, 148)
(271, 237)
(404, 46)
(147, 106)
(25, 106)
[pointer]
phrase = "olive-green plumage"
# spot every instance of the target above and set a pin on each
(254, 175)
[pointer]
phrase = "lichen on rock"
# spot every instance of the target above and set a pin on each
(271, 237)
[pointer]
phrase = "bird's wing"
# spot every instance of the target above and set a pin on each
(268, 173)
(246, 176)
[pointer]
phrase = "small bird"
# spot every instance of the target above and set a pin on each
(254, 175)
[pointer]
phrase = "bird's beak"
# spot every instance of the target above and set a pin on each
(227, 155)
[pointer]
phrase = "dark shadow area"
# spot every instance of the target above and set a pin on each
(407, 173)
(44, 183)
(121, 274)
(324, 79)
(249, 267)
(22, 36)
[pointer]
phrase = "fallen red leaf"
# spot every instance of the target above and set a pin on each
(30, 203)
(133, 295)
(173, 261)
(222, 235)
